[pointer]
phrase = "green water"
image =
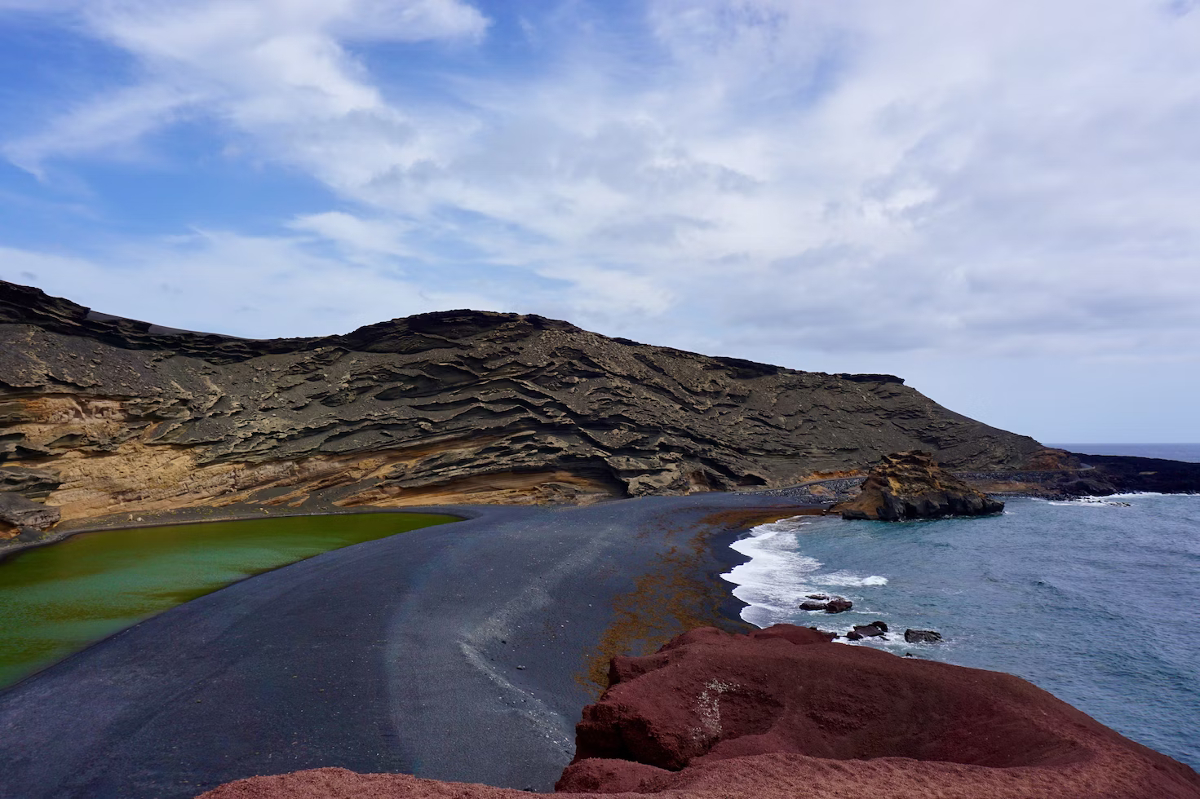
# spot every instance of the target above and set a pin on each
(55, 600)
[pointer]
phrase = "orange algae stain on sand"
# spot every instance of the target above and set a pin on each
(676, 594)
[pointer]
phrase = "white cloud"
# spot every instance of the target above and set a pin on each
(275, 71)
(770, 175)
(221, 282)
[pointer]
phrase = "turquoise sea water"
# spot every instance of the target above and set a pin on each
(1096, 602)
(55, 600)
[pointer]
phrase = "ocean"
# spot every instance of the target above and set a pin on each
(1097, 602)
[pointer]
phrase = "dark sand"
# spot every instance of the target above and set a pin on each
(398, 655)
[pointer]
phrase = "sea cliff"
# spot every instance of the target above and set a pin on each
(103, 415)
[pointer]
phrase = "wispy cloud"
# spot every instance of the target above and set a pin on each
(759, 175)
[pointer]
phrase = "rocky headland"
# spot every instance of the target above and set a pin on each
(783, 712)
(106, 419)
(911, 485)
(103, 415)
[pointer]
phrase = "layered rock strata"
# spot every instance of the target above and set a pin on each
(23, 517)
(911, 485)
(102, 415)
(782, 712)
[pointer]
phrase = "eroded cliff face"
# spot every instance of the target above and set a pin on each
(911, 485)
(101, 415)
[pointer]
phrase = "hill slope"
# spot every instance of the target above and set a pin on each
(103, 415)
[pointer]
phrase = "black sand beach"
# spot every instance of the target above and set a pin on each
(460, 652)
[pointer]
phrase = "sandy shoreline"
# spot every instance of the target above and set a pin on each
(462, 652)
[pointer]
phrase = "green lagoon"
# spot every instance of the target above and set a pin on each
(58, 599)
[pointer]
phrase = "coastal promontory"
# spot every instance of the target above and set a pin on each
(104, 415)
(911, 485)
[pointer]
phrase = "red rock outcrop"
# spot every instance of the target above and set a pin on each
(911, 485)
(782, 713)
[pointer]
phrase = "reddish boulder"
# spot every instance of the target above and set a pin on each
(781, 713)
(782, 704)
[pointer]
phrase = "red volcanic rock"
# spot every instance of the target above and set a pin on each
(838, 720)
(782, 713)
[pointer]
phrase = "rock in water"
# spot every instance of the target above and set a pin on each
(838, 605)
(24, 517)
(922, 636)
(828, 604)
(911, 485)
(875, 629)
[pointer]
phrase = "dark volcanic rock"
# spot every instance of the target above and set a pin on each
(910, 485)
(875, 629)
(1075, 486)
(922, 636)
(835, 604)
(23, 517)
(117, 415)
(1128, 473)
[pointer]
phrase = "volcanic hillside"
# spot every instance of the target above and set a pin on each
(103, 415)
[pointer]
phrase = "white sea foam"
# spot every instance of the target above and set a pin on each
(844, 578)
(777, 578)
(1111, 498)
(1111, 501)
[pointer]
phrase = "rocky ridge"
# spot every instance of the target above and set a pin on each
(782, 712)
(103, 415)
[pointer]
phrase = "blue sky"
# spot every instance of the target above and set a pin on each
(996, 200)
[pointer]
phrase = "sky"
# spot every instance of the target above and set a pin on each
(998, 200)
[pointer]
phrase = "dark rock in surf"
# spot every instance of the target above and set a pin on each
(922, 636)
(835, 605)
(875, 629)
(838, 605)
